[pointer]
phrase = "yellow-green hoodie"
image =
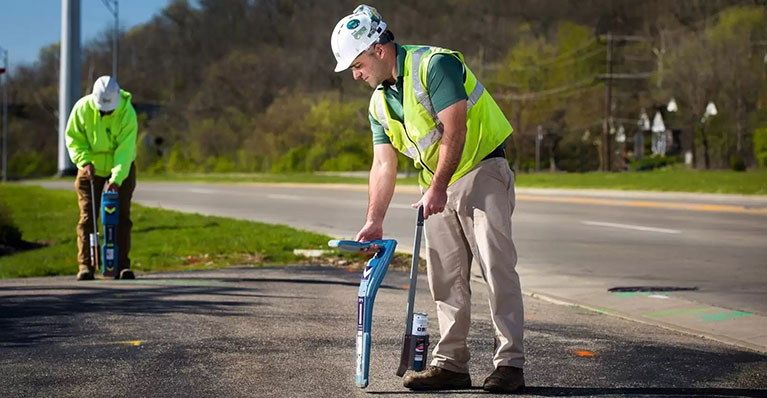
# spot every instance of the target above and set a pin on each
(109, 142)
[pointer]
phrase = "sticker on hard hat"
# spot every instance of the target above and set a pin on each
(353, 24)
(359, 32)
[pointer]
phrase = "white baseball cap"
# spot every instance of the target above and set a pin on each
(354, 34)
(106, 93)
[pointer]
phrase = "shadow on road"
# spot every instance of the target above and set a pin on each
(595, 391)
(33, 314)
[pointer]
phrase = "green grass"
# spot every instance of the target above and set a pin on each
(162, 240)
(670, 180)
(730, 182)
(285, 178)
(719, 181)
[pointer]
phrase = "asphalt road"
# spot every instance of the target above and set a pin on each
(289, 332)
(616, 239)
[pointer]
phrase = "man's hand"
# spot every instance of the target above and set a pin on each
(112, 187)
(370, 231)
(88, 171)
(433, 201)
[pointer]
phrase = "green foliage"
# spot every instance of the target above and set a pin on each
(294, 160)
(653, 162)
(180, 161)
(760, 146)
(26, 164)
(251, 81)
(346, 162)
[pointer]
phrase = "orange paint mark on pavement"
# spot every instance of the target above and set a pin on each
(582, 353)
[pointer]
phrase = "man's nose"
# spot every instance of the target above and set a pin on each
(357, 74)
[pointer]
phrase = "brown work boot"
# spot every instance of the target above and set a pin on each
(504, 380)
(434, 378)
(127, 274)
(85, 275)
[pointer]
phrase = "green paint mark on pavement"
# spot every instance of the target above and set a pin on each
(724, 316)
(632, 294)
(678, 312)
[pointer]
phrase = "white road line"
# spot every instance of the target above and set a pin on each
(634, 227)
(283, 197)
(203, 190)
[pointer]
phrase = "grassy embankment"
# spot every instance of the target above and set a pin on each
(163, 240)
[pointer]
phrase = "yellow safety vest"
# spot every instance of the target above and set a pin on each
(419, 137)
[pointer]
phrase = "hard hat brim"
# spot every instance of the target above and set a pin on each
(342, 66)
(107, 107)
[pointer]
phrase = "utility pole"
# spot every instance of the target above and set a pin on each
(3, 72)
(538, 139)
(69, 77)
(608, 105)
(114, 9)
(609, 77)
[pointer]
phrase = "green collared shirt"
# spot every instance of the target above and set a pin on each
(444, 83)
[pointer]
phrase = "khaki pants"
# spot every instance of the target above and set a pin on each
(476, 224)
(85, 225)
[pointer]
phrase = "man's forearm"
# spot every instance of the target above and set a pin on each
(383, 178)
(450, 151)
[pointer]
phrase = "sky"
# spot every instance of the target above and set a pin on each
(28, 25)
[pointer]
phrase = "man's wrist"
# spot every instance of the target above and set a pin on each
(438, 184)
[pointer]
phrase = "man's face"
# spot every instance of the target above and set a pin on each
(369, 66)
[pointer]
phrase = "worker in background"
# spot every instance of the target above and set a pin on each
(101, 140)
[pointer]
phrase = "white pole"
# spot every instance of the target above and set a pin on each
(5, 114)
(69, 77)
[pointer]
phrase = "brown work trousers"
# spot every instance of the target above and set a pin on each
(476, 224)
(85, 225)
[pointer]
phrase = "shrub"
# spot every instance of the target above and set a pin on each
(10, 235)
(760, 146)
(737, 164)
(653, 162)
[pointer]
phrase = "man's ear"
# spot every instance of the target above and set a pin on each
(380, 50)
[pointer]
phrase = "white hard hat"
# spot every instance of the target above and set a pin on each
(106, 93)
(354, 34)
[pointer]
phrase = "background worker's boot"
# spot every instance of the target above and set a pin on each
(435, 378)
(85, 273)
(127, 274)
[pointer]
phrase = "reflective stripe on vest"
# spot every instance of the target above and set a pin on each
(423, 98)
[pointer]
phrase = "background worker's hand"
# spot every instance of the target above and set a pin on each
(433, 201)
(88, 171)
(112, 187)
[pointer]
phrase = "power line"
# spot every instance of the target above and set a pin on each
(546, 93)
(625, 76)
